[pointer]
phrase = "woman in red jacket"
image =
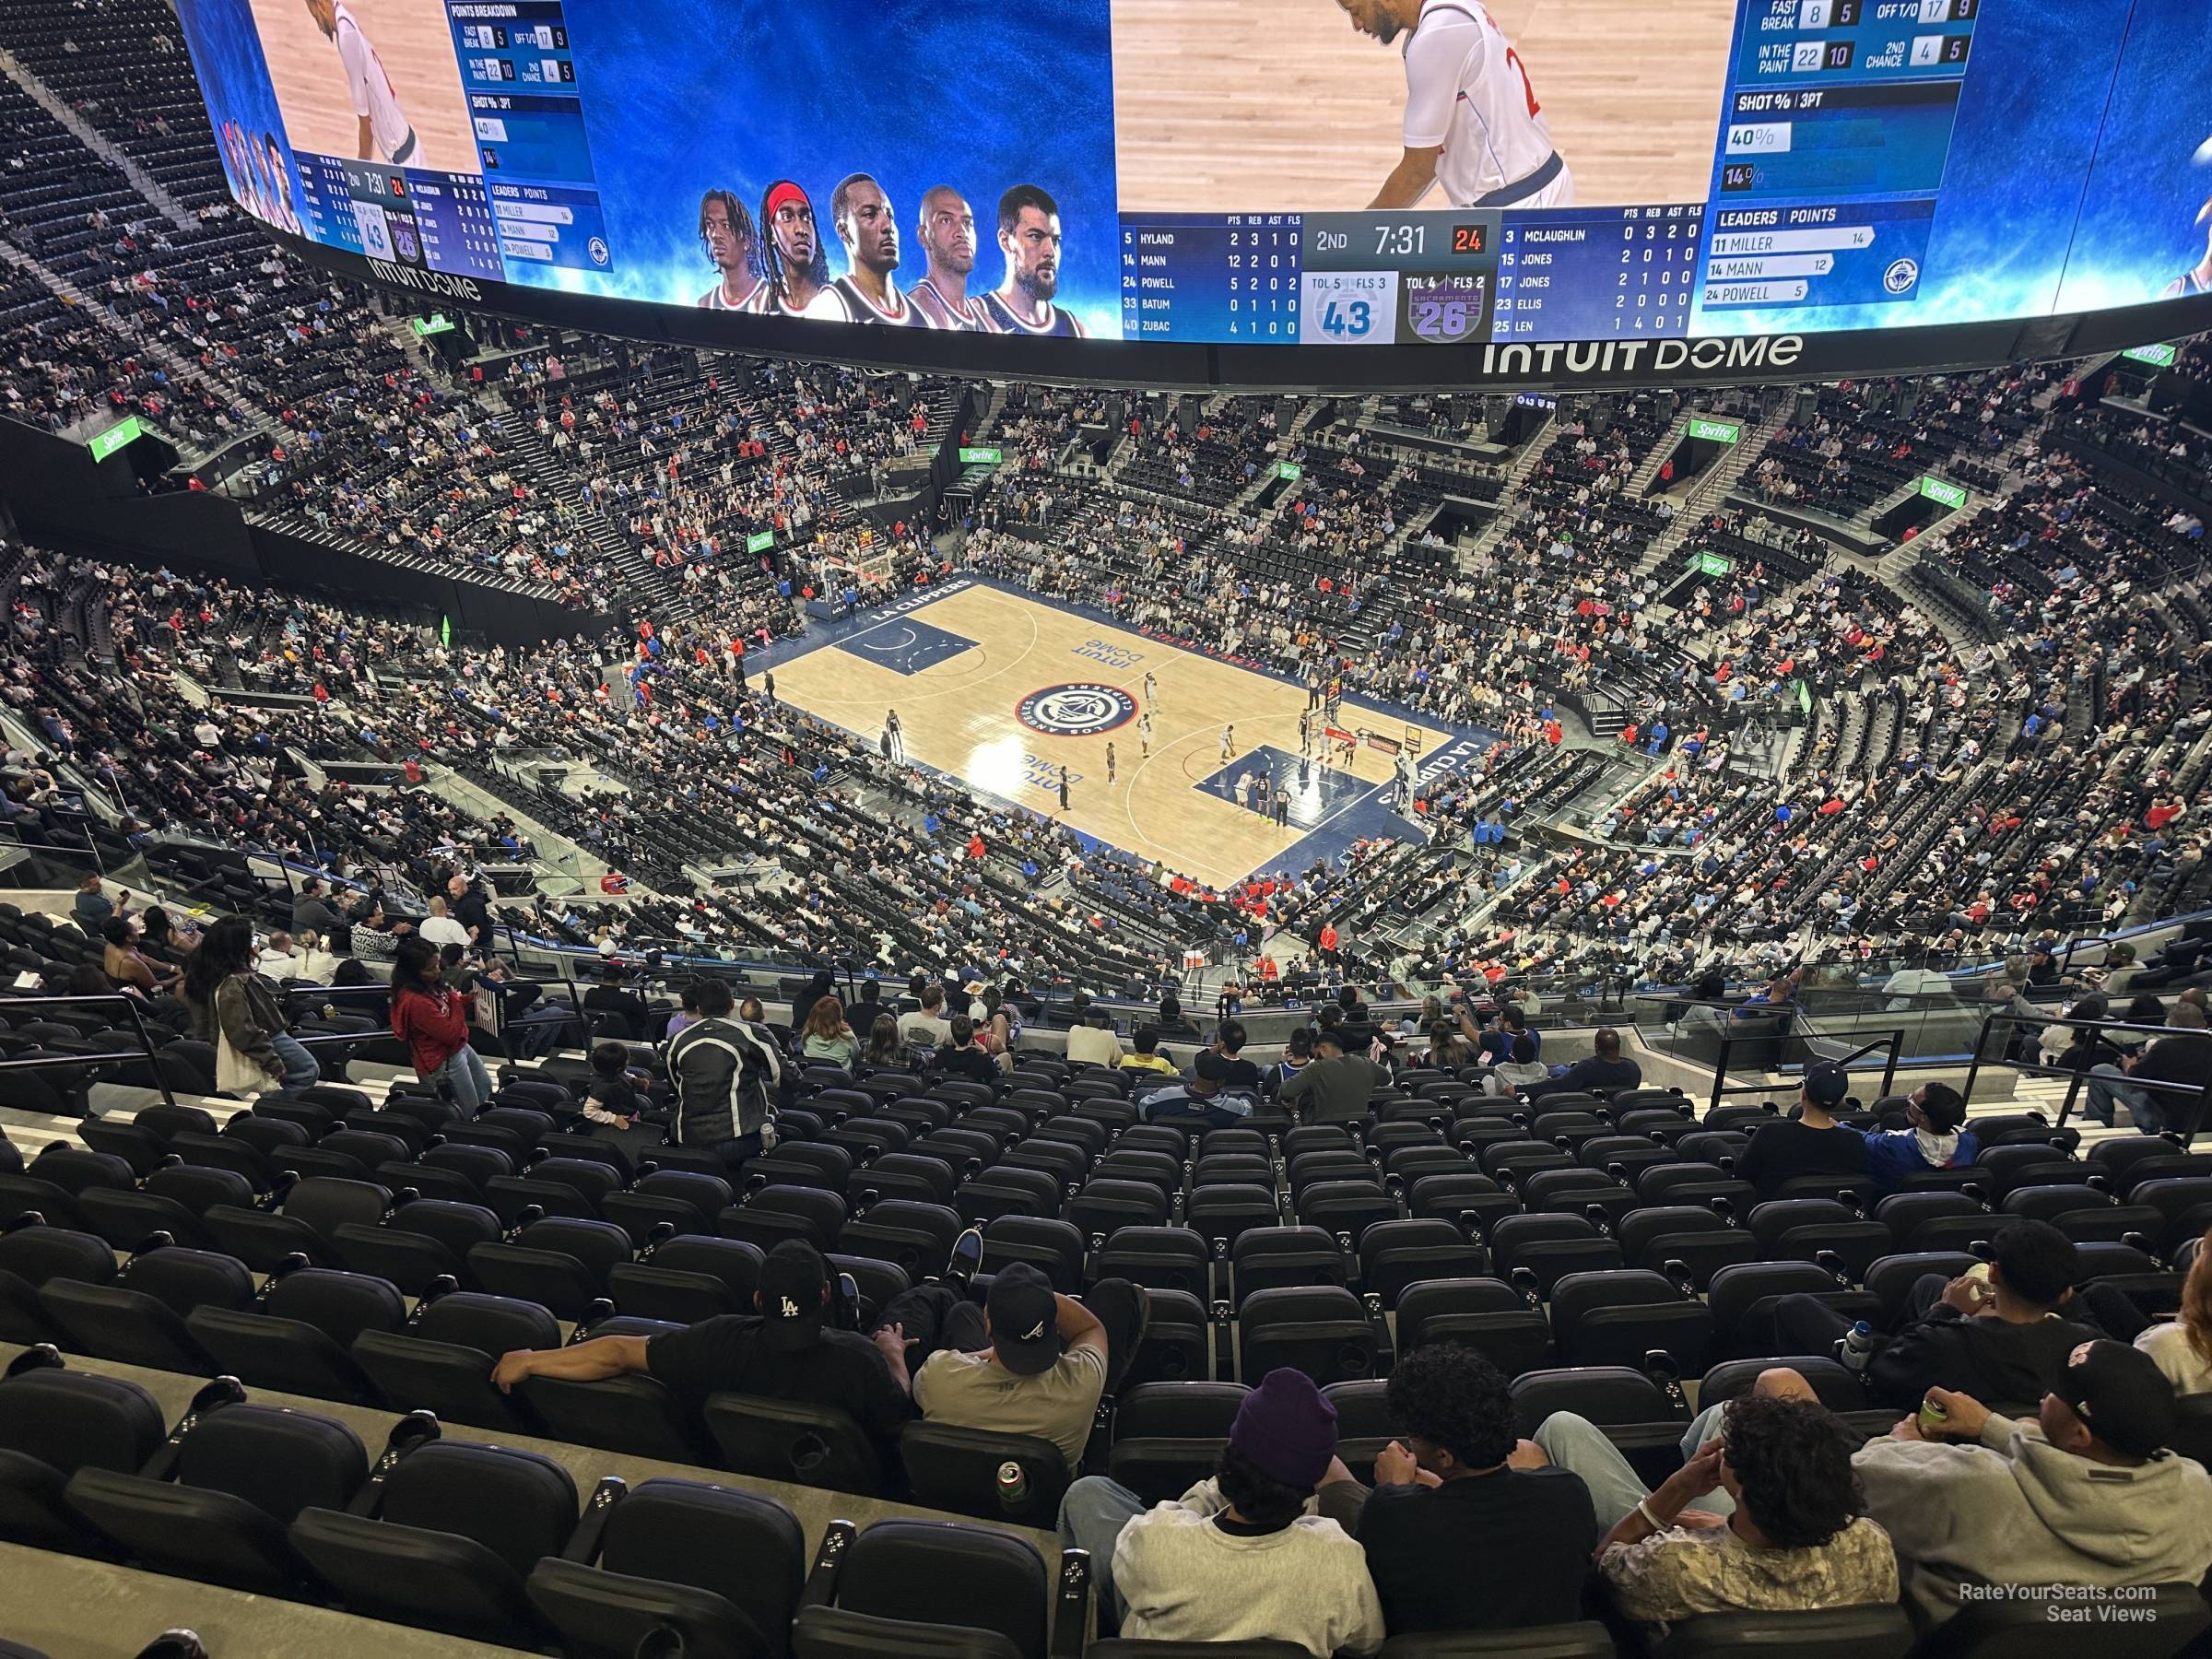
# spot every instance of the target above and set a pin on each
(431, 1018)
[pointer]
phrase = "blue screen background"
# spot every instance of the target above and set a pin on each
(234, 78)
(694, 95)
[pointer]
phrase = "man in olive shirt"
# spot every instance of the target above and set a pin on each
(785, 1351)
(1339, 1085)
(1028, 1362)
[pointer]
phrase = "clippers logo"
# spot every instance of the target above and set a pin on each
(1083, 709)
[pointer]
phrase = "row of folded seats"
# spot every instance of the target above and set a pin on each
(1236, 1290)
(491, 1543)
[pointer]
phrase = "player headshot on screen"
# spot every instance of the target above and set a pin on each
(726, 226)
(947, 236)
(1472, 122)
(869, 230)
(1028, 234)
(280, 183)
(386, 131)
(791, 256)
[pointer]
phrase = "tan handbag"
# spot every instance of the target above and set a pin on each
(234, 1073)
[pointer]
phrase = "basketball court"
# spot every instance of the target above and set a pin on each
(1237, 106)
(415, 44)
(1000, 690)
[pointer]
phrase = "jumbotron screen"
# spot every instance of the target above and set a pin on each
(1313, 172)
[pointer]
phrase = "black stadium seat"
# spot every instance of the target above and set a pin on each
(54, 1423)
(455, 1535)
(668, 1558)
(241, 1474)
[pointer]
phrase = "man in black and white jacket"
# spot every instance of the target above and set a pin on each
(728, 1075)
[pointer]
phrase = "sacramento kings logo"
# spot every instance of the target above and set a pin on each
(1078, 710)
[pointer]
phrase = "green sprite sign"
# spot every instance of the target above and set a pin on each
(759, 541)
(1942, 494)
(1716, 431)
(1711, 564)
(981, 457)
(1289, 470)
(104, 445)
(437, 323)
(2158, 356)
(445, 632)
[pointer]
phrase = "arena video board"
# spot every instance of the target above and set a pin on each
(1323, 173)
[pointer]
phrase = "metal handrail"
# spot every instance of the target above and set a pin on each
(146, 1050)
(1893, 1041)
(2076, 1078)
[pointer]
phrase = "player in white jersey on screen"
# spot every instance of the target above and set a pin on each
(725, 230)
(947, 236)
(1028, 235)
(386, 132)
(866, 293)
(1473, 124)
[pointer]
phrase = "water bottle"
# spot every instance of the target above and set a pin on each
(1013, 1486)
(1854, 1349)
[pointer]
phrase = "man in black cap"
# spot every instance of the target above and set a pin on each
(786, 1350)
(1027, 1361)
(2084, 1495)
(1812, 1143)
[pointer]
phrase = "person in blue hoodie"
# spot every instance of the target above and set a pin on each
(1937, 1139)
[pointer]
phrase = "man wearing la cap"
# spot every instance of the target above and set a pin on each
(1812, 1143)
(1028, 1362)
(2083, 1494)
(786, 1350)
(1238, 1557)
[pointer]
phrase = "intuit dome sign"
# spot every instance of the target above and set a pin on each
(1608, 361)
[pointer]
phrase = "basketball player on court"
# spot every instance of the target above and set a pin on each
(792, 261)
(864, 223)
(1151, 690)
(1143, 733)
(385, 130)
(1229, 744)
(947, 236)
(732, 243)
(1109, 763)
(1028, 234)
(1472, 123)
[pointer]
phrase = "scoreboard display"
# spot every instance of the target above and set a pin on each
(1406, 174)
(1385, 279)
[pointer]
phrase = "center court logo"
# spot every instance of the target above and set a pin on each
(1083, 709)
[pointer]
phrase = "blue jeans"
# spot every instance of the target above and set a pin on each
(1092, 1514)
(2108, 1083)
(465, 1073)
(299, 1068)
(1575, 1443)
